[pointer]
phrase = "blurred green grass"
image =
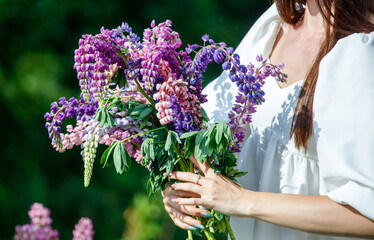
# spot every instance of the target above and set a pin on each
(38, 39)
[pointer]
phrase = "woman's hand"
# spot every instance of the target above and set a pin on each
(213, 191)
(180, 213)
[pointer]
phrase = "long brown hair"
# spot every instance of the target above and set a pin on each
(344, 18)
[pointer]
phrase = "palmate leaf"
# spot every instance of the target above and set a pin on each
(104, 117)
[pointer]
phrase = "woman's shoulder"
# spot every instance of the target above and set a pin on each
(351, 62)
(261, 36)
(354, 50)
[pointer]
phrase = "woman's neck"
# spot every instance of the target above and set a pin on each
(313, 21)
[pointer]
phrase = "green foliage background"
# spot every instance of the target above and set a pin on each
(38, 39)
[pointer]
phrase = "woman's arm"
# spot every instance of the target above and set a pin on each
(317, 214)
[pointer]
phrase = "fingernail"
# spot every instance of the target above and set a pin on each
(206, 215)
(173, 185)
(191, 228)
(199, 226)
(167, 175)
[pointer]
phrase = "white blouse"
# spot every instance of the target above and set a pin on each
(339, 162)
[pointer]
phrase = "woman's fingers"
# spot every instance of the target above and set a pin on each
(183, 221)
(187, 177)
(188, 187)
(170, 192)
(187, 201)
(190, 210)
(204, 167)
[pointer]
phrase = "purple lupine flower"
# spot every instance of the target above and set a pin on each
(205, 38)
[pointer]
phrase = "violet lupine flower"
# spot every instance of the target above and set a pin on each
(70, 109)
(159, 44)
(249, 80)
(149, 71)
(99, 83)
(84, 58)
(83, 230)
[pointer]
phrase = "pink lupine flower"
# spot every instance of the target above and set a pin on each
(83, 230)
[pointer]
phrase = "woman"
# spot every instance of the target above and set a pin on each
(309, 156)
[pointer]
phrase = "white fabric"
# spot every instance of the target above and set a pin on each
(339, 162)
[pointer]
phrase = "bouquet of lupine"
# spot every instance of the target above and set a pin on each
(142, 98)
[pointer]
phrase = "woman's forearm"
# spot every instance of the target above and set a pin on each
(316, 214)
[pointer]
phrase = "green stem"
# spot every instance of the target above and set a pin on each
(208, 234)
(229, 229)
(152, 130)
(124, 60)
(144, 94)
(190, 236)
(182, 163)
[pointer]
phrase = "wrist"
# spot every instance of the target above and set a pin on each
(247, 204)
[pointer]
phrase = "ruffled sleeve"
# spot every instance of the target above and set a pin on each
(344, 123)
(259, 40)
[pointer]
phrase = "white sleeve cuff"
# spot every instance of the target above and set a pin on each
(358, 196)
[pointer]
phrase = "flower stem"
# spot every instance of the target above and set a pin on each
(190, 236)
(152, 130)
(208, 234)
(229, 229)
(144, 93)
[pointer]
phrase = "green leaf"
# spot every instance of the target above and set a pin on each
(108, 118)
(219, 147)
(102, 117)
(197, 152)
(145, 113)
(240, 174)
(106, 155)
(188, 134)
(200, 136)
(168, 142)
(205, 116)
(152, 151)
(144, 122)
(124, 50)
(126, 159)
(140, 106)
(204, 148)
(218, 216)
(176, 137)
(118, 157)
(219, 132)
(150, 187)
